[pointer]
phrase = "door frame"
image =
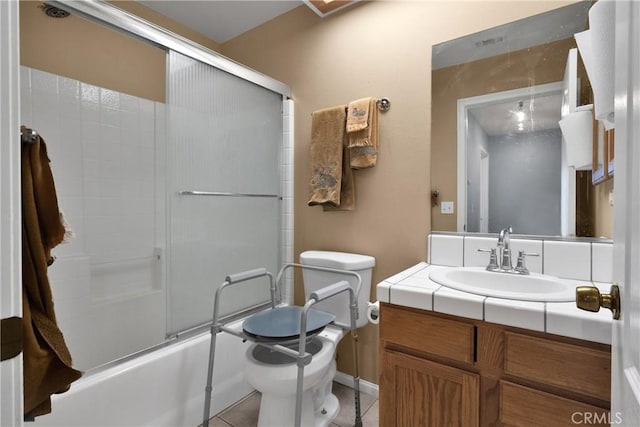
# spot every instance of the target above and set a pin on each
(463, 106)
(11, 400)
(484, 190)
(625, 346)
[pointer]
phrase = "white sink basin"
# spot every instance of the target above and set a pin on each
(533, 287)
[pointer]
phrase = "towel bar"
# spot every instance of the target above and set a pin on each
(224, 194)
(384, 104)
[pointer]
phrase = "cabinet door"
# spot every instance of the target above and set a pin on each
(415, 392)
(575, 368)
(526, 407)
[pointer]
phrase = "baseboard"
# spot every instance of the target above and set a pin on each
(365, 386)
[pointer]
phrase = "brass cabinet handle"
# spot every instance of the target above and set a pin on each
(589, 298)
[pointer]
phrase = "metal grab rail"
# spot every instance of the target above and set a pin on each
(225, 194)
(303, 358)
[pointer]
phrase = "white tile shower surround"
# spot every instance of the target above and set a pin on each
(110, 171)
(109, 176)
(583, 263)
(286, 191)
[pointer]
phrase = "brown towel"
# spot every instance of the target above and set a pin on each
(347, 187)
(358, 114)
(47, 362)
(327, 135)
(363, 144)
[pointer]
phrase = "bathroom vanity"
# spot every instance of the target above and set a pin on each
(438, 369)
(452, 357)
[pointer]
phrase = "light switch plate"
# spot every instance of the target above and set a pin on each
(446, 208)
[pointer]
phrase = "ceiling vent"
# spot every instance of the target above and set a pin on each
(53, 12)
(326, 7)
(490, 42)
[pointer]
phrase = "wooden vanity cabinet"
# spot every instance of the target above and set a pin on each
(439, 370)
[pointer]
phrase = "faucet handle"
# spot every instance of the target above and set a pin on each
(493, 259)
(521, 268)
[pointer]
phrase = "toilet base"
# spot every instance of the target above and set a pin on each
(277, 411)
(328, 412)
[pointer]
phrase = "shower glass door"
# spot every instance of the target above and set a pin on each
(224, 139)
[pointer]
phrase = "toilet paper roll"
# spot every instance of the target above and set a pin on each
(373, 312)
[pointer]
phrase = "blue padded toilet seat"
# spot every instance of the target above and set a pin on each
(283, 323)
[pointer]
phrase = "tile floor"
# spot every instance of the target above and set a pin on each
(245, 412)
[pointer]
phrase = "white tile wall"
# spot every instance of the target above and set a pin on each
(591, 261)
(287, 195)
(447, 250)
(110, 181)
(474, 258)
(602, 262)
(571, 260)
(532, 262)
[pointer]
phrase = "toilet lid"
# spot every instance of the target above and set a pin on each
(283, 323)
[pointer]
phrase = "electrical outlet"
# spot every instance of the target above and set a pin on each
(610, 198)
(446, 208)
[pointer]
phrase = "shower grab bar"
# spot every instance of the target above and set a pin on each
(225, 194)
(156, 256)
(126, 261)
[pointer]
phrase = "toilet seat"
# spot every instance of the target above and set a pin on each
(282, 324)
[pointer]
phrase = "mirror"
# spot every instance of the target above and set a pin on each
(497, 152)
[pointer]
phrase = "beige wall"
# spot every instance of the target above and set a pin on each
(371, 49)
(81, 49)
(376, 49)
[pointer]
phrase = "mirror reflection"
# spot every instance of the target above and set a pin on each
(498, 154)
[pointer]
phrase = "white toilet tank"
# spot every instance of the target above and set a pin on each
(338, 304)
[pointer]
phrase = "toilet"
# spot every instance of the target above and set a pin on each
(274, 374)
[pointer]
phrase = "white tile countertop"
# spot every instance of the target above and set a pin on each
(413, 288)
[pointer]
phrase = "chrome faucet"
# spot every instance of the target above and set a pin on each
(506, 266)
(505, 249)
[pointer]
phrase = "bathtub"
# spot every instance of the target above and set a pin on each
(161, 388)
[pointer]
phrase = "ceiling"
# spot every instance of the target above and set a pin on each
(222, 20)
(557, 24)
(540, 112)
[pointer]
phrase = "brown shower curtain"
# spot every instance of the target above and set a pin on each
(47, 362)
